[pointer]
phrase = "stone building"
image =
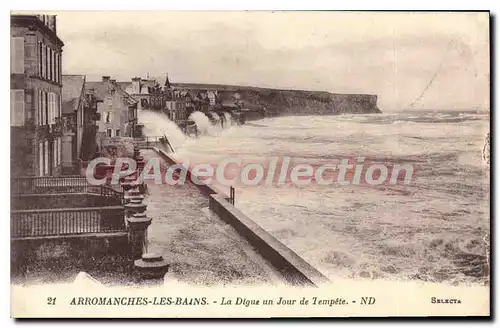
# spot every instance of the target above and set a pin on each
(116, 108)
(151, 96)
(73, 110)
(35, 91)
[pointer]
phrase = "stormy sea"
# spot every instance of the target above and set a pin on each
(434, 229)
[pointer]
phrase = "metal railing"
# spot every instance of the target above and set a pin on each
(231, 195)
(147, 142)
(67, 221)
(153, 141)
(63, 184)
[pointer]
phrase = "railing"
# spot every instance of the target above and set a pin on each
(67, 221)
(231, 195)
(147, 142)
(64, 184)
(154, 141)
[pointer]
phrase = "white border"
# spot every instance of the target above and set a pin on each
(193, 5)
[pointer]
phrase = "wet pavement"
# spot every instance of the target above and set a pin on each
(200, 247)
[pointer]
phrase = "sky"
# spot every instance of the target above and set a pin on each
(392, 55)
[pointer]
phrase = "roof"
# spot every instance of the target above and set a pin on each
(101, 90)
(124, 85)
(72, 91)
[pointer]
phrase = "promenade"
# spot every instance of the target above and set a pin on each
(200, 248)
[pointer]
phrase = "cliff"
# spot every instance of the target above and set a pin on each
(291, 102)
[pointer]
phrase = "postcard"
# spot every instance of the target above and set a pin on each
(250, 164)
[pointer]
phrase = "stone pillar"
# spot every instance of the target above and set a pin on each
(138, 225)
(133, 193)
(151, 266)
(137, 152)
(134, 206)
(139, 160)
(140, 163)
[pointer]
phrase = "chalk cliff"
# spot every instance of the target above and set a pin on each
(286, 102)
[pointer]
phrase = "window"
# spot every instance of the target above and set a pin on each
(46, 157)
(17, 55)
(110, 133)
(117, 133)
(59, 66)
(40, 58)
(59, 150)
(40, 159)
(49, 108)
(49, 63)
(46, 62)
(39, 107)
(16, 107)
(54, 77)
(53, 108)
(56, 67)
(44, 112)
(108, 117)
(46, 108)
(50, 111)
(54, 152)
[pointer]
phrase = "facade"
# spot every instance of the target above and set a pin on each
(116, 109)
(73, 109)
(35, 83)
(148, 93)
(151, 96)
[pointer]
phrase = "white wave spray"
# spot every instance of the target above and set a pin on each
(158, 124)
(229, 120)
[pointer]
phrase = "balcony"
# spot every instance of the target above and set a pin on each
(61, 207)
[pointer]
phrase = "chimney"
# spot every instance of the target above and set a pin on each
(105, 78)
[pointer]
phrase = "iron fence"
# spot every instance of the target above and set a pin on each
(67, 221)
(63, 184)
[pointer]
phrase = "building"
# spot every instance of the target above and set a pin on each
(73, 109)
(151, 96)
(35, 91)
(212, 96)
(116, 109)
(148, 93)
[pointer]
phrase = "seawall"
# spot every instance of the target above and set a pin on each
(289, 265)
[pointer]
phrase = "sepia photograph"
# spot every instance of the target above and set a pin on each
(249, 164)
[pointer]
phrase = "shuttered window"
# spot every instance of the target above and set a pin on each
(51, 64)
(17, 107)
(46, 54)
(59, 114)
(40, 58)
(39, 107)
(59, 150)
(56, 67)
(40, 159)
(51, 108)
(17, 55)
(54, 152)
(43, 122)
(46, 157)
(43, 59)
(46, 108)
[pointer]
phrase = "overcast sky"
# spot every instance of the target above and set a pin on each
(393, 55)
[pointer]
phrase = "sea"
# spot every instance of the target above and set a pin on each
(435, 228)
